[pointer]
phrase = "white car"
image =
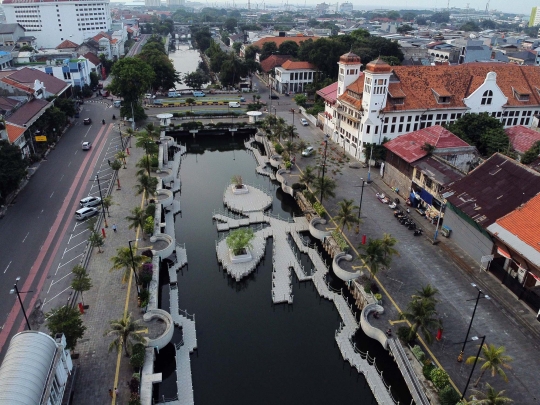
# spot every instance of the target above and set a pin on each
(304, 122)
(148, 95)
(90, 201)
(85, 212)
(86, 145)
(308, 151)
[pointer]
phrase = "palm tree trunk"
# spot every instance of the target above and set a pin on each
(126, 347)
(479, 378)
(82, 298)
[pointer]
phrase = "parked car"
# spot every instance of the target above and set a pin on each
(90, 201)
(173, 94)
(84, 213)
(304, 122)
(77, 114)
(308, 151)
(86, 145)
(117, 103)
(234, 104)
(199, 94)
(274, 97)
(87, 121)
(148, 95)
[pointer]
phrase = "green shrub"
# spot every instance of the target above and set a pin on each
(299, 186)
(440, 378)
(319, 209)
(137, 356)
(427, 369)
(404, 333)
(278, 148)
(310, 196)
(340, 240)
(418, 353)
(449, 396)
(378, 296)
(288, 165)
(150, 210)
(149, 225)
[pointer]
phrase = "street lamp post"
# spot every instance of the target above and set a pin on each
(15, 290)
(133, 266)
(460, 357)
(102, 205)
(369, 165)
(147, 157)
(324, 164)
(361, 196)
(475, 361)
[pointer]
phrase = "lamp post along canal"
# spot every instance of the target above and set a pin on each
(133, 266)
(474, 365)
(460, 357)
(324, 164)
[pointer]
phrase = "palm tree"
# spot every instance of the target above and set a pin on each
(422, 315)
(308, 176)
(388, 242)
(96, 240)
(137, 218)
(301, 144)
(291, 132)
(152, 130)
(373, 256)
(116, 165)
(121, 155)
(489, 397)
(325, 186)
(107, 203)
(290, 147)
(144, 164)
(125, 258)
(147, 185)
(190, 101)
(145, 141)
(346, 216)
(494, 360)
(280, 129)
(125, 332)
(82, 281)
(427, 292)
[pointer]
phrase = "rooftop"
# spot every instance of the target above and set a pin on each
(409, 146)
(290, 65)
(274, 61)
(279, 40)
(494, 189)
(522, 138)
(329, 93)
(25, 113)
(28, 76)
(438, 171)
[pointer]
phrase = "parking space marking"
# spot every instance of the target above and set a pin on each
(67, 250)
(56, 296)
(74, 236)
(69, 261)
(60, 279)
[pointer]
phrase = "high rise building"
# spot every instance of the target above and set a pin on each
(175, 2)
(53, 22)
(346, 8)
(535, 17)
(152, 3)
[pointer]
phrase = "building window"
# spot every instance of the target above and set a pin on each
(487, 97)
(428, 182)
(418, 174)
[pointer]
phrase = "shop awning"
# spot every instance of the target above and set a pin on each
(535, 276)
(503, 252)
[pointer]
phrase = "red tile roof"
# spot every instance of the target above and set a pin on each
(92, 58)
(417, 83)
(409, 146)
(524, 222)
(27, 77)
(274, 61)
(67, 44)
(27, 112)
(14, 132)
(279, 40)
(290, 65)
(522, 138)
(329, 93)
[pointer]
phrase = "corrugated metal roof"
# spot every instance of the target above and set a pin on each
(26, 366)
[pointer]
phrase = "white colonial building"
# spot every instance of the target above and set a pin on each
(388, 101)
(52, 22)
(292, 77)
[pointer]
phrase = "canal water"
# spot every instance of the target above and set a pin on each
(249, 350)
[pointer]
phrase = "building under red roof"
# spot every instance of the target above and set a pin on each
(522, 138)
(329, 93)
(409, 146)
(290, 65)
(274, 61)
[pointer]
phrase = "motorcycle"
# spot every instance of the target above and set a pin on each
(398, 212)
(392, 205)
(418, 232)
(382, 198)
(103, 122)
(411, 226)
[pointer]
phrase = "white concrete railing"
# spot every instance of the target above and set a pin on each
(315, 232)
(343, 274)
(286, 188)
(370, 330)
(164, 339)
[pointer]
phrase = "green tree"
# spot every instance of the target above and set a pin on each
(532, 154)
(66, 105)
(346, 215)
(96, 240)
(300, 99)
(373, 256)
(470, 26)
(308, 176)
(196, 79)
(325, 186)
(236, 46)
(12, 169)
(107, 203)
(289, 48)
(121, 155)
(442, 17)
(94, 79)
(66, 320)
(251, 51)
(388, 242)
(494, 361)
(422, 315)
(132, 77)
(290, 147)
(483, 131)
(239, 240)
(26, 48)
(165, 76)
(428, 292)
(81, 282)
(489, 397)
(116, 165)
(125, 332)
(230, 24)
(147, 185)
(268, 49)
(123, 260)
(137, 218)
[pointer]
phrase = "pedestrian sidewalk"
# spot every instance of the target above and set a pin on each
(96, 367)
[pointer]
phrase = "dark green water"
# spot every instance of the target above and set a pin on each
(249, 351)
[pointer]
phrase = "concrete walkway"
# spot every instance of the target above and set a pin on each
(505, 320)
(96, 367)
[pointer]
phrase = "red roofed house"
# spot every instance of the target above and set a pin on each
(292, 77)
(423, 175)
(388, 101)
(516, 253)
(277, 40)
(522, 138)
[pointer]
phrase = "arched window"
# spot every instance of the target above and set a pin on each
(487, 97)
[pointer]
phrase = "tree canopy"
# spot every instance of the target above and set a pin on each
(483, 131)
(196, 79)
(66, 320)
(12, 168)
(165, 75)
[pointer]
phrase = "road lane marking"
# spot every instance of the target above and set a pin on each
(69, 164)
(61, 178)
(9, 264)
(76, 151)
(51, 194)
(25, 237)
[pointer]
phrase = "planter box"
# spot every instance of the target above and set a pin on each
(241, 190)
(244, 258)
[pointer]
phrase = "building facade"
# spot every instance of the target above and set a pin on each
(53, 22)
(73, 71)
(534, 20)
(292, 77)
(386, 101)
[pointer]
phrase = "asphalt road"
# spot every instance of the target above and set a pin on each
(33, 230)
